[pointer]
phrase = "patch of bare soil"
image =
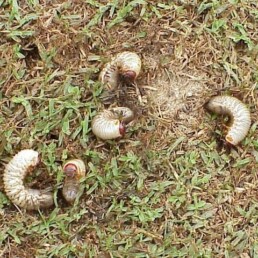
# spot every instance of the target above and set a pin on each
(175, 95)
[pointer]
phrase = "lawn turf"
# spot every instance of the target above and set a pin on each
(171, 187)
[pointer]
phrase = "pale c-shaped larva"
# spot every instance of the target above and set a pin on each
(110, 124)
(74, 170)
(126, 64)
(15, 172)
(239, 116)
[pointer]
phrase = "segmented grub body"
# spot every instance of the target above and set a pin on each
(111, 123)
(15, 172)
(74, 171)
(126, 64)
(239, 116)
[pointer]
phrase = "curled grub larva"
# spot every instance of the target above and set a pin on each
(15, 172)
(239, 116)
(111, 124)
(126, 64)
(74, 170)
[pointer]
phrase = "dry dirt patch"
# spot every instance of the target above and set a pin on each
(177, 96)
(177, 92)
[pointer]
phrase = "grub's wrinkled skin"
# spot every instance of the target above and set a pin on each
(74, 171)
(110, 124)
(14, 174)
(126, 64)
(238, 113)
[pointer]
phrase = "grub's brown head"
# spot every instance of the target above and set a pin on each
(74, 168)
(129, 76)
(70, 169)
(122, 128)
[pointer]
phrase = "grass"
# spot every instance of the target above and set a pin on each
(169, 188)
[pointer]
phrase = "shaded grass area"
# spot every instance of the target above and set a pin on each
(169, 188)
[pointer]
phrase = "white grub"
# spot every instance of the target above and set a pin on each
(126, 64)
(74, 170)
(238, 113)
(110, 124)
(14, 174)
